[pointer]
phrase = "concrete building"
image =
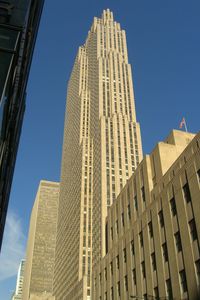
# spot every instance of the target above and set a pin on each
(19, 284)
(153, 228)
(40, 254)
(101, 150)
(19, 22)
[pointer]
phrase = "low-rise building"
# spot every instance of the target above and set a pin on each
(153, 228)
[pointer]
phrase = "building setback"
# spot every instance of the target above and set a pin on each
(19, 22)
(153, 228)
(40, 254)
(101, 150)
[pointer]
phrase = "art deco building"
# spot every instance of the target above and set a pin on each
(20, 280)
(101, 150)
(19, 22)
(153, 228)
(40, 254)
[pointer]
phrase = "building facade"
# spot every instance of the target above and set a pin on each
(101, 150)
(153, 228)
(40, 253)
(19, 21)
(20, 281)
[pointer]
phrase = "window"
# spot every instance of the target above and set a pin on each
(141, 239)
(161, 218)
(150, 229)
(173, 206)
(129, 212)
(132, 247)
(165, 253)
(198, 175)
(153, 261)
(143, 194)
(111, 231)
(197, 264)
(111, 268)
(124, 251)
(122, 219)
(105, 272)
(112, 293)
(169, 289)
(156, 293)
(143, 269)
(178, 241)
(126, 282)
(117, 229)
(193, 230)
(183, 281)
(186, 193)
(135, 203)
(145, 297)
(117, 260)
(118, 288)
(134, 276)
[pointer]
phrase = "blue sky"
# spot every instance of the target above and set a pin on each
(163, 45)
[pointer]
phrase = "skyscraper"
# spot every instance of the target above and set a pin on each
(19, 22)
(40, 253)
(20, 281)
(101, 149)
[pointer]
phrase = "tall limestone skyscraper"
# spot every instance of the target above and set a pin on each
(101, 149)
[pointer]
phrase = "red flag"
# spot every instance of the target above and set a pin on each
(182, 123)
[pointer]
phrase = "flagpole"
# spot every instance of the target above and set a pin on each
(185, 126)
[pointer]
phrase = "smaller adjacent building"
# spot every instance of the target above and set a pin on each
(20, 280)
(40, 254)
(153, 228)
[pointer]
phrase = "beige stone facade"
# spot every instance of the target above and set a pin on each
(40, 254)
(101, 150)
(153, 228)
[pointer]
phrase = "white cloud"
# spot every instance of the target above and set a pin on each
(13, 248)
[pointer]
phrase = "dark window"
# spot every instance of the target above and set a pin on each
(145, 297)
(193, 230)
(124, 251)
(178, 241)
(165, 253)
(173, 206)
(156, 293)
(117, 229)
(111, 231)
(141, 239)
(183, 281)
(161, 218)
(153, 261)
(132, 247)
(111, 268)
(150, 229)
(105, 272)
(143, 269)
(129, 212)
(126, 282)
(143, 194)
(122, 219)
(136, 203)
(186, 193)
(169, 289)
(134, 276)
(117, 259)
